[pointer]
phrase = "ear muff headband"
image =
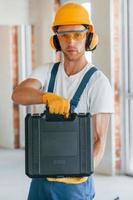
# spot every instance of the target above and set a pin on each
(54, 42)
(91, 41)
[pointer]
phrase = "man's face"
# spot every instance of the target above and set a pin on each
(72, 41)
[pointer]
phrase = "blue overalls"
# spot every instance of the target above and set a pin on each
(41, 188)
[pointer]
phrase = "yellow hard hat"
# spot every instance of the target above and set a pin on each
(72, 13)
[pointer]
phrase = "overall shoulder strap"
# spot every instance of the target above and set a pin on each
(53, 77)
(76, 98)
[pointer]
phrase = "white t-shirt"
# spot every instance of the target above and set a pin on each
(97, 96)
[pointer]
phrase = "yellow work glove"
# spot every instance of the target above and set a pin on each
(56, 104)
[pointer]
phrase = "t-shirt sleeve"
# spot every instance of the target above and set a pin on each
(41, 73)
(101, 97)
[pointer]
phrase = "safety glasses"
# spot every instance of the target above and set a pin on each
(72, 34)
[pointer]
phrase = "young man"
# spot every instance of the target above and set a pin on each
(74, 34)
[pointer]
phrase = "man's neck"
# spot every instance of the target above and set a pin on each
(74, 66)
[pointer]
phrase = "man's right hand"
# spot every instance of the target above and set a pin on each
(56, 104)
(28, 93)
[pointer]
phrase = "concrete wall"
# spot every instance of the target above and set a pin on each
(41, 15)
(34, 12)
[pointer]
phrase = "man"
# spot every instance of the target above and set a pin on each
(74, 34)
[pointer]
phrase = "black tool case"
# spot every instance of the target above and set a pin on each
(58, 147)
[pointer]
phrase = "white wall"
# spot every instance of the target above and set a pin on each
(6, 111)
(14, 12)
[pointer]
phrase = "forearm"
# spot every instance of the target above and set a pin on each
(29, 92)
(27, 96)
(100, 128)
(98, 153)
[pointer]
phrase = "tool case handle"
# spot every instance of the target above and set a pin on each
(57, 117)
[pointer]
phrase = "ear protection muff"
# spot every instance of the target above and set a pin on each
(91, 41)
(90, 45)
(55, 43)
